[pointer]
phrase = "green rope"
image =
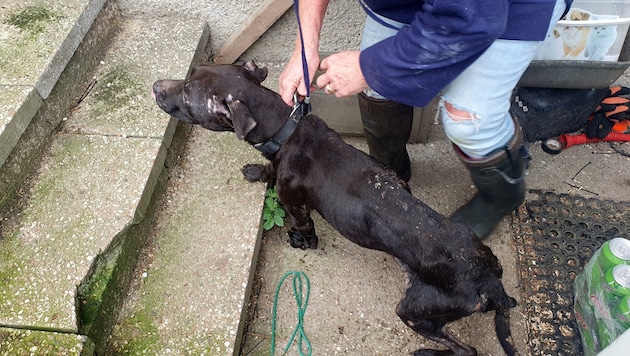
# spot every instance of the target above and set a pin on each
(302, 302)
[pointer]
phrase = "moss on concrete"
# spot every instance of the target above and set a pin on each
(9, 266)
(30, 342)
(141, 324)
(22, 161)
(33, 19)
(90, 291)
(144, 332)
(116, 89)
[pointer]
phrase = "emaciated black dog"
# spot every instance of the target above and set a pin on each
(450, 272)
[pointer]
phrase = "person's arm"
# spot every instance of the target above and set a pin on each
(440, 43)
(292, 78)
(414, 65)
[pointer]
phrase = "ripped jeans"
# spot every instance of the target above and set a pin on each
(475, 106)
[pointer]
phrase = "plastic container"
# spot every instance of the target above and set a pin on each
(571, 74)
(592, 30)
(583, 74)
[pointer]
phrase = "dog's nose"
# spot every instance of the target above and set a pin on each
(154, 88)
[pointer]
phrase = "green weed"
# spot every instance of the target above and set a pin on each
(273, 212)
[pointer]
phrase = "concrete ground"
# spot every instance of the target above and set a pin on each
(89, 187)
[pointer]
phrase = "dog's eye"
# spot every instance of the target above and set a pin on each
(185, 92)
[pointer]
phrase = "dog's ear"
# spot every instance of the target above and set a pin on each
(241, 117)
(259, 73)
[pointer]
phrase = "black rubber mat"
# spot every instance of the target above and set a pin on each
(555, 237)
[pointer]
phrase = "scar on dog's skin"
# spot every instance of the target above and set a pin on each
(450, 272)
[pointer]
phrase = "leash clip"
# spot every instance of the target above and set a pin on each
(300, 108)
(274, 144)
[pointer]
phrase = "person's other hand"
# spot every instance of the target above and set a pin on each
(342, 74)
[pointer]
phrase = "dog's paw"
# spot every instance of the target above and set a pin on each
(254, 173)
(298, 240)
(311, 241)
(513, 302)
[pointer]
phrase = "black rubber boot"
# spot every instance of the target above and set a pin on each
(500, 181)
(387, 127)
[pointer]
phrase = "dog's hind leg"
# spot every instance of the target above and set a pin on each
(258, 173)
(433, 331)
(426, 310)
(438, 332)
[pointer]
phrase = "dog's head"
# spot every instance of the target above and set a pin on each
(214, 96)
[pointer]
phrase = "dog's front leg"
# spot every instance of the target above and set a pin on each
(302, 233)
(258, 173)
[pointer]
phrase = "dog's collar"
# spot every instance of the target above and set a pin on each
(274, 144)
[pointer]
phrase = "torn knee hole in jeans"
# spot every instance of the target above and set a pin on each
(457, 114)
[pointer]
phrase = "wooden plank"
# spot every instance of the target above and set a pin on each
(254, 27)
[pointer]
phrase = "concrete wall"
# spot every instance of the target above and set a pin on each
(342, 28)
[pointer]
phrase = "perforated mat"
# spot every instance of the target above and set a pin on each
(555, 237)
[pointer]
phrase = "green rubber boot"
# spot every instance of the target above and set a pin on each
(500, 181)
(387, 127)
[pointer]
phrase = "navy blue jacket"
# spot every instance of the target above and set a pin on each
(442, 39)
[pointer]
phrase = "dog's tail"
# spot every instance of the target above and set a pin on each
(502, 304)
(498, 300)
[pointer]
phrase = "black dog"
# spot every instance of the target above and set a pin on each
(450, 272)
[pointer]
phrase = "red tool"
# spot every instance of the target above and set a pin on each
(556, 145)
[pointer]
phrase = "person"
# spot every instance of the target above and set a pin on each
(473, 52)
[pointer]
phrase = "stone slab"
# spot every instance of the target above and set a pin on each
(190, 297)
(18, 107)
(120, 101)
(31, 342)
(96, 179)
(88, 190)
(38, 38)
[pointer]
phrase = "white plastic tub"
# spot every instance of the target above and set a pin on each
(592, 30)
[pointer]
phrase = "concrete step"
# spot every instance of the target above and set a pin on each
(192, 287)
(66, 258)
(37, 42)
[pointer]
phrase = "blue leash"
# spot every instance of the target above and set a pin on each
(300, 108)
(307, 80)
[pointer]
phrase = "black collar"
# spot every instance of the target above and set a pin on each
(275, 143)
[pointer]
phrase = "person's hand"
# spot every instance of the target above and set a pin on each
(342, 74)
(291, 79)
